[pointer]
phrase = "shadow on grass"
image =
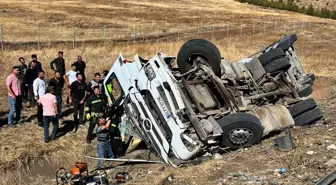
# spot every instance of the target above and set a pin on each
(68, 126)
(4, 117)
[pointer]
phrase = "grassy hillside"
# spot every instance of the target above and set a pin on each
(57, 20)
(330, 4)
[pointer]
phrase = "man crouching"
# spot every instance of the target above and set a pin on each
(103, 145)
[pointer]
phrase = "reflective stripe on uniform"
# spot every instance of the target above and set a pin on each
(96, 101)
(86, 109)
(96, 114)
(113, 125)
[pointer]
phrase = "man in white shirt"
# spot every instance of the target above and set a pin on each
(70, 77)
(39, 89)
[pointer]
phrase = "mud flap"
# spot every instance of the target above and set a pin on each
(134, 143)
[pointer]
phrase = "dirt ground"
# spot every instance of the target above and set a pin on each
(259, 164)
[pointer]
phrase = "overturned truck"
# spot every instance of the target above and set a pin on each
(207, 103)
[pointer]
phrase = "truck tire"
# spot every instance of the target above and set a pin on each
(311, 76)
(305, 91)
(308, 81)
(284, 44)
(292, 38)
(280, 64)
(240, 130)
(301, 107)
(271, 55)
(198, 47)
(308, 117)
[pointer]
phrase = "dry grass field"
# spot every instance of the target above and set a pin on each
(21, 146)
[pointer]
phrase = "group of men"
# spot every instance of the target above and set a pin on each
(27, 84)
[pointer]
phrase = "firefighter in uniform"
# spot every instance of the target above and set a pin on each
(94, 109)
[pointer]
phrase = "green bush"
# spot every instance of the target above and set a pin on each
(291, 6)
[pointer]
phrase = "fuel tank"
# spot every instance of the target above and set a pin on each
(274, 118)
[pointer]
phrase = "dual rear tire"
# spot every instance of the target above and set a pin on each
(305, 112)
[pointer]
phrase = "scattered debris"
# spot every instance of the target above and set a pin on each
(283, 170)
(272, 182)
(167, 180)
(331, 163)
(331, 147)
(310, 152)
(217, 156)
(122, 177)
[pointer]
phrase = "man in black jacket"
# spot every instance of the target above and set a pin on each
(58, 64)
(23, 68)
(77, 95)
(94, 109)
(95, 82)
(56, 83)
(30, 76)
(80, 65)
(38, 64)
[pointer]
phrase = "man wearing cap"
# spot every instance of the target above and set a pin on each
(58, 65)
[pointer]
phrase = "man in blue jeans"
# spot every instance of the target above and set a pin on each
(50, 113)
(103, 146)
(13, 84)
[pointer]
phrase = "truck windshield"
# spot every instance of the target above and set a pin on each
(113, 90)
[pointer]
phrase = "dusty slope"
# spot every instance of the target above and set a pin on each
(117, 19)
(255, 165)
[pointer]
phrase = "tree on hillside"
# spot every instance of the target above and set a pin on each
(333, 14)
(302, 9)
(325, 12)
(310, 10)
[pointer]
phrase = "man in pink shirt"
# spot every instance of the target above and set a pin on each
(50, 113)
(13, 84)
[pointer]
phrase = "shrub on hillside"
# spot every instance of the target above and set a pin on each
(291, 6)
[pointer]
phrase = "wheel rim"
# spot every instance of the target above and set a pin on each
(239, 136)
(191, 58)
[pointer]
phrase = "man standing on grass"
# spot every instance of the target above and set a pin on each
(38, 64)
(94, 109)
(95, 82)
(70, 77)
(13, 85)
(103, 144)
(80, 66)
(23, 69)
(58, 64)
(56, 84)
(77, 96)
(50, 113)
(30, 76)
(39, 91)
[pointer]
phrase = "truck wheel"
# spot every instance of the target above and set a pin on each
(271, 55)
(240, 130)
(305, 91)
(311, 76)
(308, 117)
(292, 38)
(302, 106)
(280, 64)
(284, 44)
(198, 48)
(308, 81)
